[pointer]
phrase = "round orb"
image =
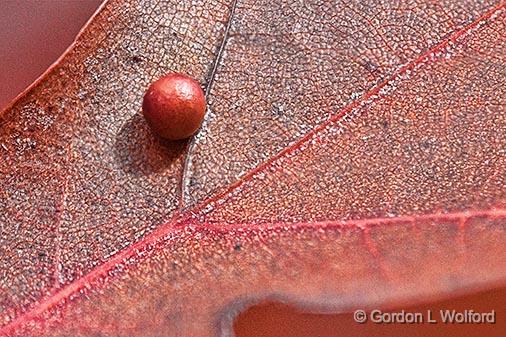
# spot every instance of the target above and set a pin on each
(174, 106)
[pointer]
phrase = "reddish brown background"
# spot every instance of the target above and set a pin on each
(33, 34)
(276, 320)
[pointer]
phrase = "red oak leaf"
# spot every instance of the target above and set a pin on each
(352, 155)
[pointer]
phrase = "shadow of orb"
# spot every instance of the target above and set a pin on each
(141, 152)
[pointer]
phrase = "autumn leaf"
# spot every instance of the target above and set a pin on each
(352, 155)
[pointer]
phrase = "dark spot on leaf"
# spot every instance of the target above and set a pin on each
(277, 110)
(425, 144)
(192, 181)
(370, 66)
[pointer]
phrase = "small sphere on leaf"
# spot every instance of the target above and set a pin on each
(174, 106)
